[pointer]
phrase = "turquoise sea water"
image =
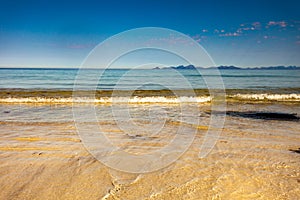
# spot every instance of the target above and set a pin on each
(33, 101)
(63, 79)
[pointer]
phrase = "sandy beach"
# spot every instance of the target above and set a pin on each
(150, 100)
(253, 159)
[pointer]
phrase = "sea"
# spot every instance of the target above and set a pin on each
(153, 112)
(135, 86)
(146, 79)
(46, 87)
(149, 133)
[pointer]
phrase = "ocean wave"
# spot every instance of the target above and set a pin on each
(108, 100)
(150, 99)
(277, 97)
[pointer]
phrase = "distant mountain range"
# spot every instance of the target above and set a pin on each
(232, 67)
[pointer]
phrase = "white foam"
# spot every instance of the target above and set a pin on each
(107, 100)
(277, 97)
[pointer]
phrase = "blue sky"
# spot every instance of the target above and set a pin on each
(61, 34)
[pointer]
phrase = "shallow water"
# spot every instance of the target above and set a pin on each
(50, 141)
(41, 152)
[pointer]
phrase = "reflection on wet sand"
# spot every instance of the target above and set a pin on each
(254, 158)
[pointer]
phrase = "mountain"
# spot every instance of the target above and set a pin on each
(184, 67)
(277, 68)
(181, 67)
(228, 67)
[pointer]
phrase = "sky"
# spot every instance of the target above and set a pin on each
(54, 33)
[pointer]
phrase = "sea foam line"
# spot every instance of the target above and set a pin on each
(278, 97)
(107, 100)
(141, 100)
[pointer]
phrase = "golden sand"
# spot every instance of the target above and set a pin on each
(248, 162)
(34, 139)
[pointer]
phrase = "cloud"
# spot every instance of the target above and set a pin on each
(171, 40)
(235, 34)
(197, 38)
(256, 25)
(267, 30)
(281, 24)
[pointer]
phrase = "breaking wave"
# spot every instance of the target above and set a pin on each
(62, 97)
(272, 97)
(107, 100)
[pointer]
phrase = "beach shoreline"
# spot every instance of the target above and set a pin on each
(253, 158)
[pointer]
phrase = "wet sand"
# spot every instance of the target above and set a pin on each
(253, 159)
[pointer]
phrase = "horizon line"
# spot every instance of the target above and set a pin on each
(76, 68)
